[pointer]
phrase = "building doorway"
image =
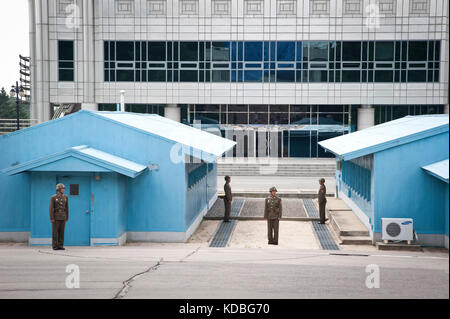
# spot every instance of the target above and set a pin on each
(78, 190)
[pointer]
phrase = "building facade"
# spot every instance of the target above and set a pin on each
(277, 76)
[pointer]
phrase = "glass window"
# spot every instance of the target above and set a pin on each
(351, 51)
(65, 75)
(286, 76)
(330, 119)
(188, 51)
(221, 76)
(286, 51)
(279, 108)
(252, 76)
(125, 75)
(156, 75)
(299, 51)
(66, 70)
(384, 51)
(207, 108)
(384, 76)
(208, 118)
(350, 76)
(258, 118)
(417, 51)
(279, 118)
(188, 76)
(253, 51)
(417, 76)
(125, 50)
(220, 51)
(157, 51)
(65, 51)
(300, 118)
(318, 51)
(238, 118)
(318, 76)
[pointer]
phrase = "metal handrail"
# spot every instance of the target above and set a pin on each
(10, 125)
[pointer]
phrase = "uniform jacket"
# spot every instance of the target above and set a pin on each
(273, 208)
(321, 194)
(59, 207)
(228, 194)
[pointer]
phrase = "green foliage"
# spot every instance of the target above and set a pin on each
(8, 107)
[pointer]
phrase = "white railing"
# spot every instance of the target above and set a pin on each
(10, 125)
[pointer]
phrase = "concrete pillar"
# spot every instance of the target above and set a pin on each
(40, 57)
(171, 111)
(446, 109)
(87, 61)
(89, 106)
(366, 117)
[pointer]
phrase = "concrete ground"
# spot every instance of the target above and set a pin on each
(194, 271)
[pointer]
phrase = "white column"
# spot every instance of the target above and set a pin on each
(366, 117)
(171, 111)
(89, 106)
(87, 61)
(40, 72)
(446, 109)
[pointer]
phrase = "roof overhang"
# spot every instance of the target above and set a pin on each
(438, 170)
(333, 145)
(87, 159)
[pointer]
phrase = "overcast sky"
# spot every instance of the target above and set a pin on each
(14, 39)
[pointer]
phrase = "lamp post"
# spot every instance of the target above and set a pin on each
(17, 91)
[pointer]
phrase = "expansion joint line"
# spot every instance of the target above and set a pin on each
(190, 254)
(127, 283)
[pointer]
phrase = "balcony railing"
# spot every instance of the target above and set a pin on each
(10, 125)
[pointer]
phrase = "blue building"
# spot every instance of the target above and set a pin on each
(129, 177)
(397, 170)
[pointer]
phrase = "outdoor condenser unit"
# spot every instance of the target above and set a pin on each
(397, 229)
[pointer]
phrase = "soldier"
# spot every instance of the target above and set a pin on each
(227, 199)
(272, 213)
(322, 200)
(59, 215)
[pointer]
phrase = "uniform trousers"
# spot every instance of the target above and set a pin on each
(58, 233)
(322, 211)
(227, 210)
(272, 227)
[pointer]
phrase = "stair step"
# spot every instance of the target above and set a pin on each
(355, 240)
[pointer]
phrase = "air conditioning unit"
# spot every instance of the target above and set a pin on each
(397, 229)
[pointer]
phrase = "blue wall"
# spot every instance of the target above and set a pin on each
(199, 194)
(403, 189)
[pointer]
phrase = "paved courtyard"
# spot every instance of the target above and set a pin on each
(194, 271)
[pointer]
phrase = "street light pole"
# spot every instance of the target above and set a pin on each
(17, 91)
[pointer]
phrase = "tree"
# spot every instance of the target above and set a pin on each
(8, 107)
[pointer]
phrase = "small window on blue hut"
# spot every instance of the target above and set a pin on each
(74, 189)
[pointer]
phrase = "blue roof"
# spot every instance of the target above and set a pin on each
(438, 170)
(97, 158)
(390, 134)
(205, 145)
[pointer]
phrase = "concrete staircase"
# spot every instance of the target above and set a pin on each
(281, 167)
(346, 225)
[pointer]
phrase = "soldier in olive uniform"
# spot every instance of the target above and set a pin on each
(272, 212)
(322, 200)
(228, 198)
(59, 215)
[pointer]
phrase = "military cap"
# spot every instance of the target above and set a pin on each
(273, 189)
(59, 186)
